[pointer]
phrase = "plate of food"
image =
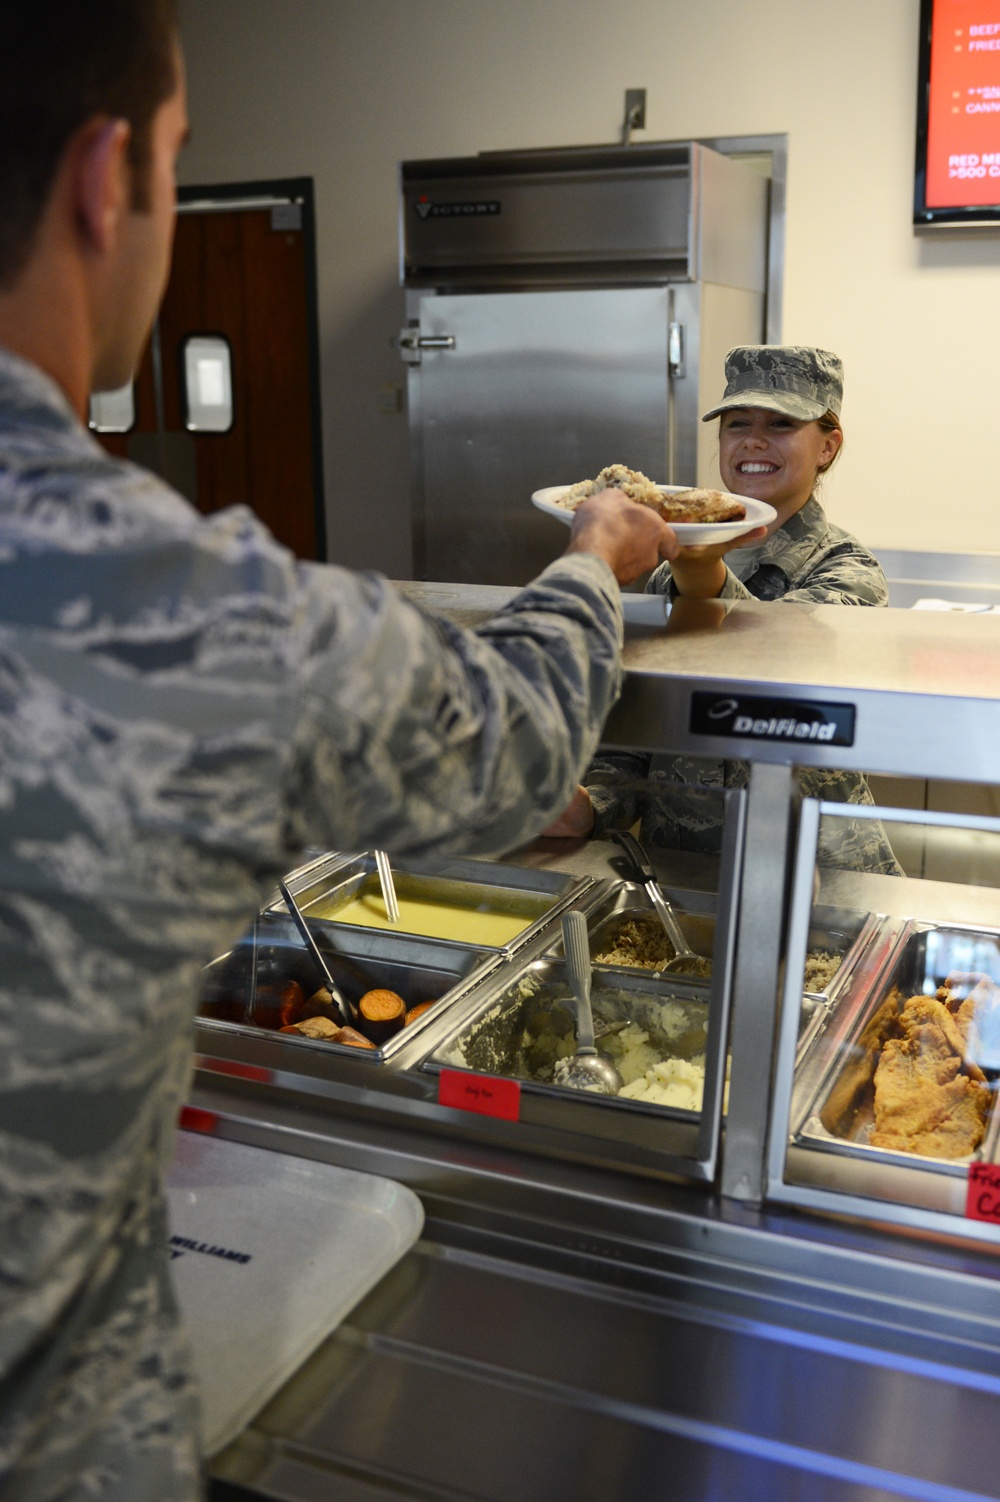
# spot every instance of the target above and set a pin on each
(698, 515)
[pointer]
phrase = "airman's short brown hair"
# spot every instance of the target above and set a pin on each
(63, 62)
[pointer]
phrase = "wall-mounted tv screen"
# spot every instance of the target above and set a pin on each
(958, 115)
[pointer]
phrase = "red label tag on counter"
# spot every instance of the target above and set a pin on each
(481, 1093)
(194, 1119)
(983, 1199)
(239, 1071)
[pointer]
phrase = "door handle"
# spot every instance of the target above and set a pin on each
(411, 342)
(675, 349)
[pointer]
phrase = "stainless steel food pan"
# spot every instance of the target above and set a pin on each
(334, 880)
(520, 1020)
(844, 932)
(840, 1114)
(627, 899)
(417, 969)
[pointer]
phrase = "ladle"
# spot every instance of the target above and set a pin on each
(683, 953)
(340, 1001)
(586, 1069)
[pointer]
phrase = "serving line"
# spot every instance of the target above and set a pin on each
(839, 1322)
(844, 1321)
(924, 688)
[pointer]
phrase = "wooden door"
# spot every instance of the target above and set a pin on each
(247, 274)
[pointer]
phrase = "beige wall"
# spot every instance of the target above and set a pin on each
(344, 89)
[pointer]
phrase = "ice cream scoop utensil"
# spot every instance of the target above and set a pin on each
(603, 1029)
(344, 1007)
(683, 955)
(387, 885)
(586, 1069)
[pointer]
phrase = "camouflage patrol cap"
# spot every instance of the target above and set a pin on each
(794, 379)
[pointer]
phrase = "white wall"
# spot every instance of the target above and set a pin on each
(344, 89)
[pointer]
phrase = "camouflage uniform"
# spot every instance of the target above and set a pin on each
(806, 559)
(182, 707)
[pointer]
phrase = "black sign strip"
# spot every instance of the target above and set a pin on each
(757, 718)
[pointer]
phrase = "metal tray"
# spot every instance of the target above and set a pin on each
(329, 1233)
(477, 886)
(512, 1025)
(627, 899)
(359, 960)
(836, 1115)
(845, 931)
(850, 934)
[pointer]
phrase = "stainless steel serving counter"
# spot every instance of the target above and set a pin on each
(558, 1337)
(562, 1333)
(925, 685)
(566, 1331)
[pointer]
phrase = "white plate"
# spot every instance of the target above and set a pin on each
(689, 534)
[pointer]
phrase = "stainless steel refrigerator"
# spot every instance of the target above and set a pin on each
(565, 310)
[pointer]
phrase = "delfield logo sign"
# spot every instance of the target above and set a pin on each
(749, 717)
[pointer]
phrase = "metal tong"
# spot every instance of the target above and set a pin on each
(683, 953)
(340, 1001)
(387, 885)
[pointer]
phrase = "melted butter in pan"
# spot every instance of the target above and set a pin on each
(432, 920)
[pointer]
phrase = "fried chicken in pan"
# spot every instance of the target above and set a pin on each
(853, 1085)
(928, 1099)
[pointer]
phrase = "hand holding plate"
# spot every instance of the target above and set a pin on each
(699, 572)
(632, 539)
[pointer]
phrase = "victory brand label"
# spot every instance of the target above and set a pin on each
(750, 717)
(426, 209)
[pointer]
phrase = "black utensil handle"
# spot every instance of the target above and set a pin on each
(636, 855)
(341, 1003)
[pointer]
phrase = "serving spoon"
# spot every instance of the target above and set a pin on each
(685, 959)
(586, 1069)
(340, 1001)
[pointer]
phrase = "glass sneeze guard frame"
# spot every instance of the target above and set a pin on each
(630, 1135)
(734, 820)
(829, 1200)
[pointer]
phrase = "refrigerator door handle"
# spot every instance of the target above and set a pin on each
(675, 349)
(411, 342)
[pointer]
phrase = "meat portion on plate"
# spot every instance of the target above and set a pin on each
(696, 505)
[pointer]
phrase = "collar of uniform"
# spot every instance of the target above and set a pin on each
(794, 541)
(30, 398)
